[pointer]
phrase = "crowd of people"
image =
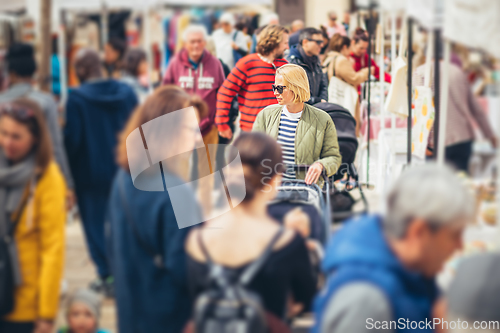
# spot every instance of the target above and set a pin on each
(377, 269)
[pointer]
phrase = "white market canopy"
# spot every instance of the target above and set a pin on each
(12, 5)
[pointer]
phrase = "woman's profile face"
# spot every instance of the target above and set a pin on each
(286, 97)
(16, 139)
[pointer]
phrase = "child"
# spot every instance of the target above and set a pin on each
(83, 312)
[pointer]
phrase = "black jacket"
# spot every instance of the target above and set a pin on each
(318, 81)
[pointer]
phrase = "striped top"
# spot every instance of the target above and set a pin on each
(251, 80)
(286, 138)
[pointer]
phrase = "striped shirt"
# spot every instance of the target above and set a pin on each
(251, 80)
(286, 138)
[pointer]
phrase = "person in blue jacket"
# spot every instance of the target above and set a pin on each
(150, 210)
(95, 113)
(381, 270)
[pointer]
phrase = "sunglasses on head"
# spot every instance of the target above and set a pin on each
(317, 41)
(278, 88)
(15, 111)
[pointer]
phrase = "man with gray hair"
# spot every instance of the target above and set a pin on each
(198, 72)
(381, 270)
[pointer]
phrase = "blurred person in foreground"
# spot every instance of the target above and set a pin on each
(305, 54)
(238, 238)
(251, 80)
(359, 54)
(230, 44)
(198, 72)
(83, 311)
(114, 51)
(306, 134)
(95, 113)
(333, 27)
(383, 269)
(32, 193)
(135, 67)
(21, 67)
(147, 233)
(463, 111)
(472, 296)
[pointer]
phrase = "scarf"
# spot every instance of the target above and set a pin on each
(311, 62)
(13, 181)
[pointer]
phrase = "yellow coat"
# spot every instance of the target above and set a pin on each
(40, 244)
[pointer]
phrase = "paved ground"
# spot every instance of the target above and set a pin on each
(79, 270)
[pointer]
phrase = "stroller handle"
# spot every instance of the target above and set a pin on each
(297, 167)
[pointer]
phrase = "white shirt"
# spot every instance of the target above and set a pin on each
(223, 47)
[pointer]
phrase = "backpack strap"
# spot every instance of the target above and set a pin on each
(157, 256)
(255, 266)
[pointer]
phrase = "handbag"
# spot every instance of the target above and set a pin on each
(397, 98)
(423, 108)
(7, 261)
(342, 93)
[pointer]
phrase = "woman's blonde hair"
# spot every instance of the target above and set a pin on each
(296, 80)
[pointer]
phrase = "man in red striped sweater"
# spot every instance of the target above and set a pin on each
(251, 80)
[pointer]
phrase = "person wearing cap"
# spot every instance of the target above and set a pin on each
(83, 312)
(473, 296)
(382, 269)
(21, 67)
(230, 44)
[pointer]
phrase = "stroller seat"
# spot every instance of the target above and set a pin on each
(297, 194)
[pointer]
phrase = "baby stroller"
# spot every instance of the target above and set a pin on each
(315, 203)
(342, 201)
(311, 199)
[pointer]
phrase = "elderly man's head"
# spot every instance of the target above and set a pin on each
(427, 211)
(195, 40)
(87, 65)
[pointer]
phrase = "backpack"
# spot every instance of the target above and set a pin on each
(229, 306)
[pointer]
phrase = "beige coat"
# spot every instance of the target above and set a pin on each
(338, 64)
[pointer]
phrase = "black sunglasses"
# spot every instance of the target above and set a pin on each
(16, 112)
(278, 88)
(317, 41)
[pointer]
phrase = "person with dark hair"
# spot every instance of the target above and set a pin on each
(359, 49)
(114, 50)
(33, 214)
(305, 54)
(337, 64)
(135, 65)
(251, 80)
(248, 228)
(230, 43)
(95, 113)
(151, 290)
(21, 67)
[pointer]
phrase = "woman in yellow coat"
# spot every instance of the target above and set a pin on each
(31, 183)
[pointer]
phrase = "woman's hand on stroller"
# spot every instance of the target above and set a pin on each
(313, 173)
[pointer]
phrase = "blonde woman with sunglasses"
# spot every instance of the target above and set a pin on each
(306, 134)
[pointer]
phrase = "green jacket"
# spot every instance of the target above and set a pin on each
(315, 141)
